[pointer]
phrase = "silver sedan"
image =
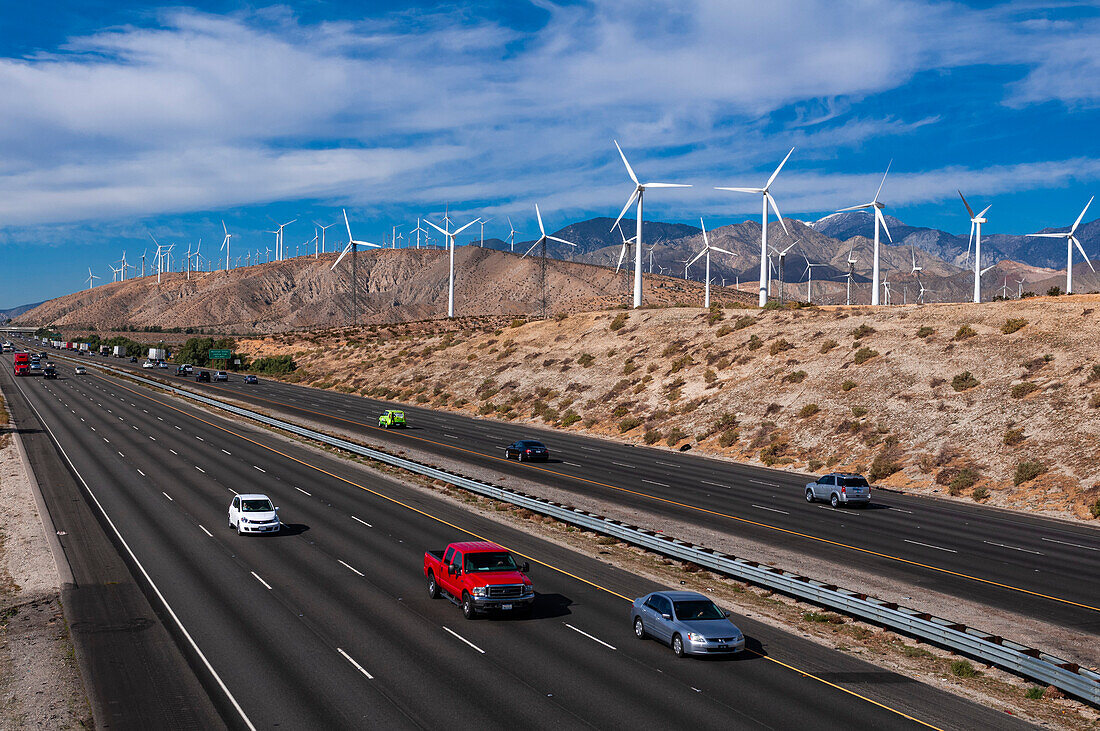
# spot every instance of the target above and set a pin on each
(687, 621)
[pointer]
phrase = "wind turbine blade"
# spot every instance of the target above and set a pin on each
(984, 210)
(882, 219)
(856, 208)
(971, 242)
(697, 257)
(1049, 236)
(622, 253)
(665, 185)
(797, 242)
(1082, 250)
(342, 255)
(1078, 221)
(629, 202)
(346, 223)
(538, 215)
(883, 180)
(437, 228)
(743, 190)
(706, 240)
(724, 251)
(471, 223)
(225, 229)
(772, 178)
(629, 170)
(969, 210)
(539, 241)
(560, 241)
(982, 274)
(778, 215)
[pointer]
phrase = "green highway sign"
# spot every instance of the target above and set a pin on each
(219, 354)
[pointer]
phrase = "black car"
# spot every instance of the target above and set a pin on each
(133, 359)
(203, 376)
(49, 372)
(251, 379)
(181, 370)
(527, 450)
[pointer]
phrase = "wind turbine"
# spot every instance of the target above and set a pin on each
(851, 273)
(1004, 289)
(353, 247)
(91, 277)
(976, 237)
(419, 230)
(450, 239)
(782, 258)
(624, 249)
(810, 280)
(541, 239)
(323, 233)
(879, 219)
(511, 237)
(187, 262)
(639, 192)
(158, 257)
(706, 251)
(920, 294)
(280, 251)
(767, 200)
(686, 263)
(913, 256)
(1070, 241)
(225, 245)
(1019, 289)
(483, 221)
(886, 287)
(122, 266)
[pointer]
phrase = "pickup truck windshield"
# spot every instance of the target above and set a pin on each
(502, 561)
(690, 610)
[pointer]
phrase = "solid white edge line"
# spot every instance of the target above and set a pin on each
(362, 521)
(205, 531)
(141, 567)
(929, 545)
(594, 639)
(260, 580)
(471, 644)
(358, 667)
(351, 568)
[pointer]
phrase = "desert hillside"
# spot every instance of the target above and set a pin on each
(998, 402)
(395, 285)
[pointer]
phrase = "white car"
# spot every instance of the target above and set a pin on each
(81, 370)
(253, 513)
(147, 364)
(162, 364)
(221, 376)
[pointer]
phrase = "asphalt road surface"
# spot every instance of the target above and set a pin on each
(329, 624)
(1027, 564)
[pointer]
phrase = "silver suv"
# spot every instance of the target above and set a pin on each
(840, 488)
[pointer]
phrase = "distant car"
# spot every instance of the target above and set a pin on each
(162, 364)
(251, 379)
(687, 621)
(840, 488)
(221, 376)
(527, 450)
(147, 364)
(203, 376)
(187, 367)
(391, 418)
(253, 513)
(133, 359)
(80, 370)
(181, 371)
(49, 372)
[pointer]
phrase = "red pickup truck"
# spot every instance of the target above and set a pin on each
(479, 576)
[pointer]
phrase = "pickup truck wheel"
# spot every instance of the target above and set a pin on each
(433, 588)
(834, 500)
(468, 610)
(678, 645)
(809, 495)
(639, 628)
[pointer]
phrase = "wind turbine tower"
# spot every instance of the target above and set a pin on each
(976, 239)
(1070, 241)
(877, 207)
(449, 236)
(707, 248)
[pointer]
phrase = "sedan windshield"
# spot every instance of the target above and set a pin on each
(698, 609)
(256, 506)
(854, 482)
(501, 561)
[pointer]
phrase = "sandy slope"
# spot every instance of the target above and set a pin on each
(900, 406)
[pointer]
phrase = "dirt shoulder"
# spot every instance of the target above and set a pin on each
(40, 686)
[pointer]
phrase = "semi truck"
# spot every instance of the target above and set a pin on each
(120, 351)
(479, 576)
(22, 363)
(156, 354)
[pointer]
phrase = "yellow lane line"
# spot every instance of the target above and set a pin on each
(593, 584)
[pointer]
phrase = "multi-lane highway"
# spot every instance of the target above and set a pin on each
(330, 624)
(1027, 564)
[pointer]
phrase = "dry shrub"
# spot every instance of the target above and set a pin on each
(964, 333)
(1021, 390)
(864, 354)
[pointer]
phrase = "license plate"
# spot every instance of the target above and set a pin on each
(505, 606)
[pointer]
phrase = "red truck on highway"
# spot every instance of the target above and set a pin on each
(22, 363)
(479, 576)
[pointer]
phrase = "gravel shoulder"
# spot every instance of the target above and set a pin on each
(40, 686)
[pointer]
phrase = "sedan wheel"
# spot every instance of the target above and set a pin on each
(834, 500)
(678, 645)
(520, 457)
(809, 496)
(639, 628)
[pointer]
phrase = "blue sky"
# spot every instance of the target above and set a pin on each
(119, 121)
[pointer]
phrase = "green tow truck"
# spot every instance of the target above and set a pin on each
(391, 418)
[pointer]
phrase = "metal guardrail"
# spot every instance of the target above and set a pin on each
(1027, 661)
